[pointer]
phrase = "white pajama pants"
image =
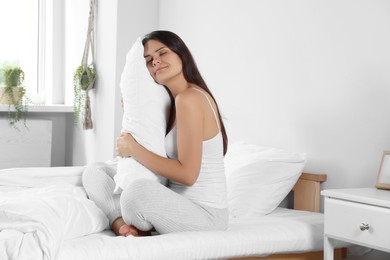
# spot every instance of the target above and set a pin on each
(147, 204)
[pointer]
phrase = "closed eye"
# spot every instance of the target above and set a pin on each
(148, 60)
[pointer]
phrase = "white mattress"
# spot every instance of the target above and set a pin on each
(283, 231)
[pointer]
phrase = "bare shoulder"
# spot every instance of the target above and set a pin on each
(188, 98)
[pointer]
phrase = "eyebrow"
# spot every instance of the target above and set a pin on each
(156, 50)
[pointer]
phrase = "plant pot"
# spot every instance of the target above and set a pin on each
(17, 93)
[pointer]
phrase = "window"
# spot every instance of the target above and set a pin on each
(19, 29)
(31, 37)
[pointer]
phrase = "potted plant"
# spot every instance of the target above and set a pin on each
(13, 92)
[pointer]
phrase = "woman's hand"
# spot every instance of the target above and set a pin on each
(125, 145)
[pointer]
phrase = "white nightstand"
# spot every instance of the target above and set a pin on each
(360, 216)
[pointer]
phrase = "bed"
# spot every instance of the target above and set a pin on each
(45, 214)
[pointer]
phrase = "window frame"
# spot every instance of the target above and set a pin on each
(51, 48)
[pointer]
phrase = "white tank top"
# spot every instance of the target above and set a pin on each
(210, 187)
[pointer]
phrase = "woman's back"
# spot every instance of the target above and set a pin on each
(210, 186)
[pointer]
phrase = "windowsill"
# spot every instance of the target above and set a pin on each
(42, 108)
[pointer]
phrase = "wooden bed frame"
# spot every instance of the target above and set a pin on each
(306, 197)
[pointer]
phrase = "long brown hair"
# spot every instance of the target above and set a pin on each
(190, 70)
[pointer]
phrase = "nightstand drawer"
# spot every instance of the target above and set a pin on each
(358, 223)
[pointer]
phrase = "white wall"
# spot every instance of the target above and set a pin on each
(303, 75)
(76, 24)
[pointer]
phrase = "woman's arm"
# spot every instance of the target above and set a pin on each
(185, 169)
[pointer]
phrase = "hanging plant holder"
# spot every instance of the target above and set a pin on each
(85, 76)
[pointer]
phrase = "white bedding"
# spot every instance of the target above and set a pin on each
(283, 231)
(35, 222)
(71, 226)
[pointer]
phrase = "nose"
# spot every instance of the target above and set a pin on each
(155, 62)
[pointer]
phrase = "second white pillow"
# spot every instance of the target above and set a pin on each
(259, 178)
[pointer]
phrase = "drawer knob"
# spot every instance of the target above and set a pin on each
(364, 226)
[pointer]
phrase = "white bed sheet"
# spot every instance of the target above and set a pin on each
(283, 231)
(35, 177)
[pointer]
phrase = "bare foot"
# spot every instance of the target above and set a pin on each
(120, 228)
(127, 230)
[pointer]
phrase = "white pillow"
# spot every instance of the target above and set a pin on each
(259, 178)
(146, 106)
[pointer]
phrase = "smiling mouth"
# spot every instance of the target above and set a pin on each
(159, 69)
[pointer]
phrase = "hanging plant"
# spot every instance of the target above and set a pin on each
(85, 76)
(83, 81)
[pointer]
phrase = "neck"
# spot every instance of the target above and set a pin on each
(177, 86)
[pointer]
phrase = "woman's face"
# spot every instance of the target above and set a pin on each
(162, 63)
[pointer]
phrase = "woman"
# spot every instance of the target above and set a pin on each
(196, 143)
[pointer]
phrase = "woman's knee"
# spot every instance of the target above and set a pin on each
(93, 170)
